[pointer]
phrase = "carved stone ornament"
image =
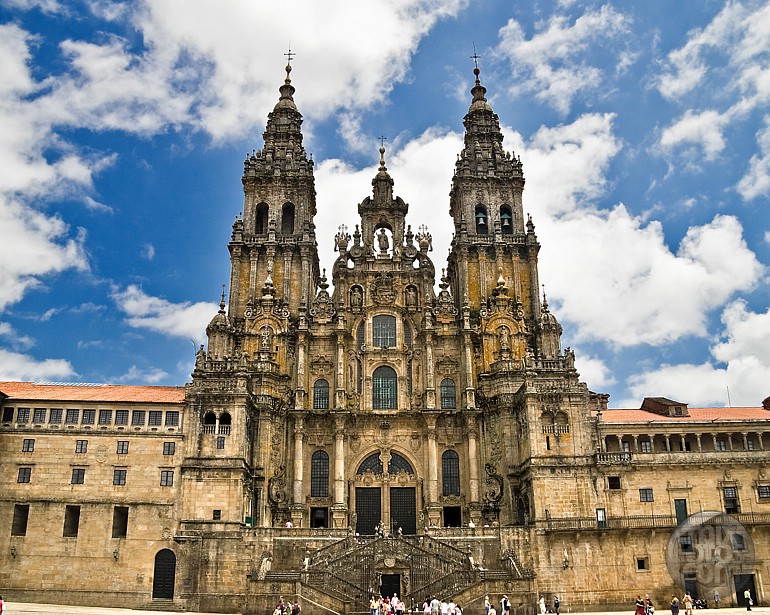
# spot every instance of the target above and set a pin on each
(383, 289)
(321, 365)
(276, 487)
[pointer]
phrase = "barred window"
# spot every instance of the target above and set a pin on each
(448, 395)
(55, 416)
(645, 495)
(319, 475)
(122, 448)
(119, 477)
(384, 331)
(156, 418)
(645, 446)
(78, 476)
(138, 417)
(25, 474)
(105, 417)
(450, 472)
(73, 415)
(28, 445)
(121, 417)
(321, 395)
(172, 418)
(169, 448)
(384, 389)
(167, 478)
(220, 442)
(22, 415)
(81, 446)
(89, 417)
(763, 491)
(38, 415)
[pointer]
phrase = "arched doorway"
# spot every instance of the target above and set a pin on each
(163, 577)
(390, 497)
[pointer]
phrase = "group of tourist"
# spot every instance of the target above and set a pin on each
(284, 608)
(434, 606)
(387, 605)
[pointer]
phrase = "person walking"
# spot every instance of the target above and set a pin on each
(687, 604)
(749, 601)
(541, 602)
(674, 605)
(556, 605)
(716, 598)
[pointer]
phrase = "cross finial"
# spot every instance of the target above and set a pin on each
(382, 140)
(475, 57)
(290, 55)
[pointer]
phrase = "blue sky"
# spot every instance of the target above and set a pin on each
(644, 129)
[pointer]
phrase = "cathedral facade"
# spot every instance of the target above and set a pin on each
(384, 437)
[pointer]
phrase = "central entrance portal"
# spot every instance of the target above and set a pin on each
(389, 498)
(390, 584)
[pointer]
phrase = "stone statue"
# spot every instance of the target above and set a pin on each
(411, 296)
(356, 298)
(505, 339)
(383, 241)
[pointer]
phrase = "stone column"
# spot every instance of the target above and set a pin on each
(434, 508)
(473, 470)
(339, 505)
(298, 504)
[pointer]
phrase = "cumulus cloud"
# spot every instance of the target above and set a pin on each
(552, 62)
(136, 375)
(186, 320)
(756, 182)
(17, 366)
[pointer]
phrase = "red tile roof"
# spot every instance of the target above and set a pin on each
(58, 391)
(695, 415)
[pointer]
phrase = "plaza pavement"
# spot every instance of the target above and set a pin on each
(29, 608)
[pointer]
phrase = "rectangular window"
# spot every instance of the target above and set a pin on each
(81, 446)
(220, 442)
(120, 522)
(167, 478)
(89, 417)
(122, 448)
(739, 543)
(763, 491)
(731, 500)
(641, 563)
(172, 418)
(121, 417)
(749, 444)
(38, 415)
(55, 415)
(119, 477)
(625, 447)
(105, 417)
(72, 416)
(7, 415)
(721, 444)
(645, 495)
(601, 518)
(20, 519)
(217, 514)
(22, 415)
(156, 418)
(78, 476)
(685, 544)
(28, 446)
(645, 446)
(613, 482)
(169, 448)
(384, 331)
(25, 475)
(71, 521)
(138, 417)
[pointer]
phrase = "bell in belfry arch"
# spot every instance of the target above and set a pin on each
(481, 219)
(506, 221)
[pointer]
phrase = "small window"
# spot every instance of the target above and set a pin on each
(73, 416)
(321, 395)
(28, 445)
(138, 417)
(287, 219)
(384, 331)
(169, 448)
(78, 476)
(25, 475)
(81, 446)
(156, 418)
(20, 520)
(613, 482)
(645, 446)
(122, 448)
(763, 491)
(105, 417)
(55, 416)
(38, 415)
(22, 416)
(645, 495)
(217, 514)
(721, 444)
(172, 418)
(642, 564)
(739, 542)
(121, 417)
(119, 477)
(89, 417)
(7, 415)
(749, 444)
(220, 442)
(319, 474)
(120, 522)
(601, 518)
(167, 478)
(678, 410)
(731, 500)
(448, 393)
(685, 543)
(625, 446)
(71, 521)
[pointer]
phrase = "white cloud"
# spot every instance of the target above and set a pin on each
(704, 129)
(136, 375)
(148, 251)
(16, 366)
(594, 371)
(552, 63)
(740, 365)
(756, 182)
(17, 341)
(185, 320)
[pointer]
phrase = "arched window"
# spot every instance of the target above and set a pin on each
(384, 388)
(482, 224)
(225, 420)
(287, 219)
(398, 463)
(450, 472)
(506, 220)
(448, 395)
(260, 226)
(319, 475)
(210, 419)
(384, 331)
(371, 464)
(321, 395)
